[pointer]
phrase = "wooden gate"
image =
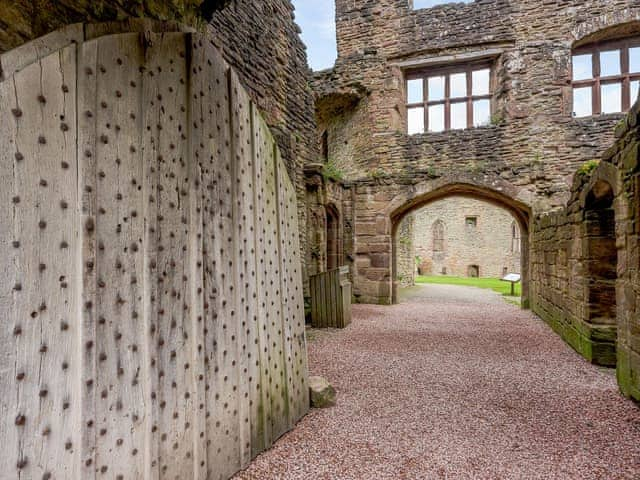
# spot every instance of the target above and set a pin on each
(331, 299)
(151, 292)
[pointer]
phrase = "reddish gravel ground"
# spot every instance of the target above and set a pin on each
(454, 383)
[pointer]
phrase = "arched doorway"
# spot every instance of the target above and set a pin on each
(520, 212)
(601, 263)
(334, 250)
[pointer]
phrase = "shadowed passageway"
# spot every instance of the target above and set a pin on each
(455, 383)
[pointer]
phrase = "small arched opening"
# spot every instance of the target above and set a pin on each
(520, 212)
(334, 251)
(601, 260)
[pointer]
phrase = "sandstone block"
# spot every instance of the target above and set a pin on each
(322, 394)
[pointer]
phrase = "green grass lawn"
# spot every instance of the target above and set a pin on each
(494, 284)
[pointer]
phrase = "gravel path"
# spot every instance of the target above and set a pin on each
(454, 383)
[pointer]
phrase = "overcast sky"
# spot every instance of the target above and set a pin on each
(317, 21)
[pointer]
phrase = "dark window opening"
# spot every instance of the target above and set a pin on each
(601, 258)
(471, 221)
(438, 236)
(325, 146)
(333, 240)
(515, 238)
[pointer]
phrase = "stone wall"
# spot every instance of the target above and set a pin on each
(489, 245)
(527, 155)
(585, 260)
(325, 196)
(406, 259)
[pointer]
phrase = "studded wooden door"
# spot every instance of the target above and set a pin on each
(151, 298)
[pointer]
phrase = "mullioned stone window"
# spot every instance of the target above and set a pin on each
(605, 77)
(449, 98)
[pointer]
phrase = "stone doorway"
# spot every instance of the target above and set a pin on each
(601, 260)
(519, 213)
(334, 253)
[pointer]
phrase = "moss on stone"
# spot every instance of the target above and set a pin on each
(587, 168)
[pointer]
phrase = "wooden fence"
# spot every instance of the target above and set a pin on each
(151, 293)
(331, 299)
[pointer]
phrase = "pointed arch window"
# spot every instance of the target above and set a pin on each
(438, 236)
(515, 238)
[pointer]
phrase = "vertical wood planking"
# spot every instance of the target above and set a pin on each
(9, 367)
(197, 75)
(152, 246)
(223, 425)
(262, 152)
(165, 87)
(119, 229)
(86, 124)
(260, 408)
(287, 283)
(270, 285)
(295, 307)
(38, 289)
(245, 260)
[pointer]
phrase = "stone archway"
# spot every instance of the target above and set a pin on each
(601, 261)
(505, 196)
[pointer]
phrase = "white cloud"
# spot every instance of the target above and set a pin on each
(317, 21)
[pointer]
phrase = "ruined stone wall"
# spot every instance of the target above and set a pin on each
(532, 147)
(151, 295)
(575, 255)
(488, 245)
(533, 140)
(323, 194)
(406, 259)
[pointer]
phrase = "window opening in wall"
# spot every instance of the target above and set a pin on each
(450, 98)
(515, 238)
(438, 236)
(325, 146)
(333, 239)
(605, 77)
(471, 221)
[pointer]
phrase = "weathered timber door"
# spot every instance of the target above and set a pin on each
(151, 293)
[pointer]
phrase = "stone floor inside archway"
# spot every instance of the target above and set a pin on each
(455, 383)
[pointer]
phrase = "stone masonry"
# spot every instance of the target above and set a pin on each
(406, 267)
(579, 264)
(525, 159)
(586, 260)
(492, 243)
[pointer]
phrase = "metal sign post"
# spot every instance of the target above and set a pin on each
(512, 278)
